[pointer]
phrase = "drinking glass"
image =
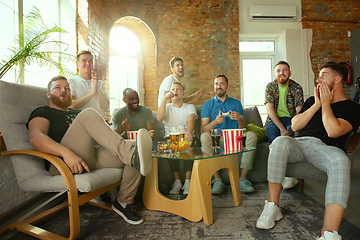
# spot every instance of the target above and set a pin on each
(174, 134)
(182, 130)
(215, 137)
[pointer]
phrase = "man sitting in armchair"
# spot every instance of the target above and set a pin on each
(71, 134)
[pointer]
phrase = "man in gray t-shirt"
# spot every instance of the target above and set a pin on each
(132, 117)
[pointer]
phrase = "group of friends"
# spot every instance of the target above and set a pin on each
(72, 127)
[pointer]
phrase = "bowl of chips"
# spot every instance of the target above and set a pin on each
(184, 145)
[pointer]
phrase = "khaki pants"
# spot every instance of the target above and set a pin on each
(88, 129)
(247, 158)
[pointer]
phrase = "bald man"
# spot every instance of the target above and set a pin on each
(133, 116)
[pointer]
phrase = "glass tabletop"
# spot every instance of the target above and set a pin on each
(196, 153)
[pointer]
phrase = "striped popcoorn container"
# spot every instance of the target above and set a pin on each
(232, 139)
(132, 135)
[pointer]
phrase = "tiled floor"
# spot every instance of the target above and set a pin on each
(316, 190)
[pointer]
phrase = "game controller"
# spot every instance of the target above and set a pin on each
(226, 114)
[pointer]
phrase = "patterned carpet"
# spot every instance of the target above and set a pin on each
(302, 220)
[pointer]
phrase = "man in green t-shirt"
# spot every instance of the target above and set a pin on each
(283, 99)
(133, 116)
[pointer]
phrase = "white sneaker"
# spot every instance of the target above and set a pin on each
(186, 186)
(269, 215)
(330, 236)
(289, 182)
(176, 187)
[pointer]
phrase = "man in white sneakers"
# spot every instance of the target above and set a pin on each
(72, 135)
(323, 124)
(173, 114)
(283, 100)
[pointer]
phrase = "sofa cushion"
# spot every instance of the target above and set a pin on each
(252, 114)
(260, 132)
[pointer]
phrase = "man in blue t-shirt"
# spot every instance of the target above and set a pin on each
(211, 118)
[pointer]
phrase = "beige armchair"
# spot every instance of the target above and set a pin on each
(17, 101)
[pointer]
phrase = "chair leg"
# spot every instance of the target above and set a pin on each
(302, 185)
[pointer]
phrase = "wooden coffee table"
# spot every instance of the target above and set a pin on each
(198, 204)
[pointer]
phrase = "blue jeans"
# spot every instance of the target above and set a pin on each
(273, 131)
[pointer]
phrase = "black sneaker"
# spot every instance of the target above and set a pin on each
(141, 159)
(129, 214)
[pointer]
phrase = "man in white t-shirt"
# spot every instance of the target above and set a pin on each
(177, 69)
(178, 113)
(86, 89)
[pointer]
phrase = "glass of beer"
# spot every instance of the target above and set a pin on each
(174, 134)
(182, 131)
(215, 137)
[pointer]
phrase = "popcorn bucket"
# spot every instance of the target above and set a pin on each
(132, 135)
(232, 139)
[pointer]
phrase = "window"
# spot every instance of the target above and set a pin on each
(257, 46)
(59, 12)
(256, 61)
(125, 66)
(9, 15)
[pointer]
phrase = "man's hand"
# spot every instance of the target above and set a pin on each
(219, 118)
(317, 95)
(94, 81)
(169, 95)
(75, 163)
(283, 132)
(234, 115)
(126, 125)
(198, 94)
(188, 136)
(326, 95)
(152, 133)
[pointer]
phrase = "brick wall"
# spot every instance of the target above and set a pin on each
(203, 33)
(330, 21)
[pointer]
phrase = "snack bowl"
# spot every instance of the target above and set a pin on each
(184, 145)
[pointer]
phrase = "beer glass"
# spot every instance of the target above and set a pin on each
(174, 134)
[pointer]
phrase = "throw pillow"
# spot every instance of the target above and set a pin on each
(260, 132)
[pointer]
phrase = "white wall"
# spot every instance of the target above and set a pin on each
(298, 45)
(263, 29)
(293, 44)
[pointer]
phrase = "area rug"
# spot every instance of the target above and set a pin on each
(302, 220)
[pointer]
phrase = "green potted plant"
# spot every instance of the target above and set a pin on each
(36, 45)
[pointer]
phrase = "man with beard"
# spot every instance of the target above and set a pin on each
(70, 134)
(211, 117)
(132, 117)
(323, 124)
(173, 114)
(86, 89)
(177, 69)
(283, 99)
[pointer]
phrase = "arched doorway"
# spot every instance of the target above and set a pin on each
(125, 65)
(130, 30)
